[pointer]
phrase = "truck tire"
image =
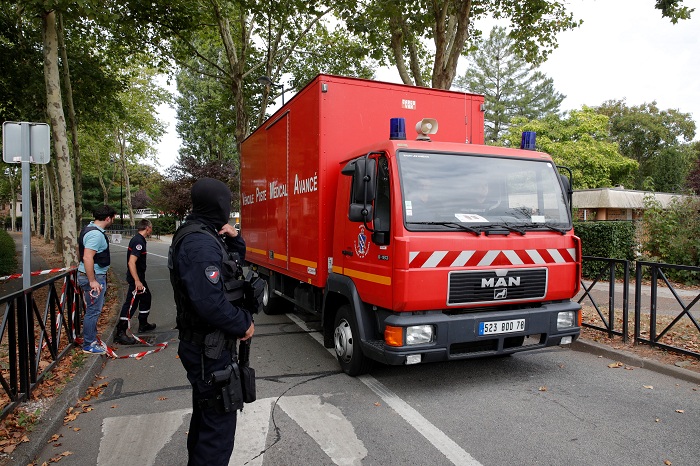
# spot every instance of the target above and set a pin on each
(273, 304)
(347, 343)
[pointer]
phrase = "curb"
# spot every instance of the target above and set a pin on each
(631, 359)
(52, 420)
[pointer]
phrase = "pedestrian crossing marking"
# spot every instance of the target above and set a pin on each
(138, 439)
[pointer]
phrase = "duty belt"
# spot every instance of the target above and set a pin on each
(198, 339)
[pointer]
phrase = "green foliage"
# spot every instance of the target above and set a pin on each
(418, 36)
(164, 225)
(511, 86)
(656, 139)
(612, 240)
(578, 141)
(8, 256)
(671, 235)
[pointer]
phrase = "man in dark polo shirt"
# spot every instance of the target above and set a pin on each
(136, 278)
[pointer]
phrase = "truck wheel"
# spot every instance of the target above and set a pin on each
(272, 304)
(347, 347)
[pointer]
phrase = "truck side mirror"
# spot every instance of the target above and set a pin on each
(360, 212)
(364, 180)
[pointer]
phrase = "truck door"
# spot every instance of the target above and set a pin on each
(367, 262)
(278, 202)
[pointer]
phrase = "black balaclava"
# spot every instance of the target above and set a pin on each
(211, 202)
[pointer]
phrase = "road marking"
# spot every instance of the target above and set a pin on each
(149, 254)
(327, 426)
(255, 422)
(137, 439)
(448, 447)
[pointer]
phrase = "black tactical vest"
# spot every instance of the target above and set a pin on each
(231, 274)
(101, 258)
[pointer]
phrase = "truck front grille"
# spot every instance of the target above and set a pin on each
(501, 285)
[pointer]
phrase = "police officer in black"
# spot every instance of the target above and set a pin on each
(209, 324)
(136, 278)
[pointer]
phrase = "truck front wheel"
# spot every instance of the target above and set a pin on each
(347, 344)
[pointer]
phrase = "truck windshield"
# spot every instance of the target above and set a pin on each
(446, 190)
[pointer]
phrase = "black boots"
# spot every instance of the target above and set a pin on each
(146, 327)
(122, 337)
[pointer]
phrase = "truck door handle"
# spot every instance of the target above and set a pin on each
(347, 253)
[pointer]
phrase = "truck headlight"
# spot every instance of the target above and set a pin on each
(419, 334)
(566, 319)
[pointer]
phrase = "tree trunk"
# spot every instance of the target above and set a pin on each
(77, 170)
(47, 205)
(55, 208)
(127, 194)
(54, 104)
(450, 35)
(37, 183)
(12, 171)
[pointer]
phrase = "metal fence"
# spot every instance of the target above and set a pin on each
(643, 315)
(38, 328)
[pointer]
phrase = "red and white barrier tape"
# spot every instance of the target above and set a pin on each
(34, 274)
(157, 347)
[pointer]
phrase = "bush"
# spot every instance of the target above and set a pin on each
(163, 225)
(8, 255)
(609, 239)
(671, 235)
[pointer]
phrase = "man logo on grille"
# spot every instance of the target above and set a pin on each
(501, 293)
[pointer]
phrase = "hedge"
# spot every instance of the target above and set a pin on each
(609, 239)
(163, 225)
(8, 254)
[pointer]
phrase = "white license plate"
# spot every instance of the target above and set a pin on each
(501, 326)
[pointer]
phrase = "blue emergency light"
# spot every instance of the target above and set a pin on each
(528, 140)
(397, 128)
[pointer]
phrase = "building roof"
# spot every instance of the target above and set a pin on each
(618, 198)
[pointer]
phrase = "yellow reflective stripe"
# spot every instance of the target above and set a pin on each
(370, 277)
(296, 260)
(256, 251)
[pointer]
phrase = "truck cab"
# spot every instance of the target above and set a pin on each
(454, 251)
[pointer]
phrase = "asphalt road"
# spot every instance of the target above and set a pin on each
(551, 407)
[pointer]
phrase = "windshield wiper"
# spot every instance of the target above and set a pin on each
(450, 224)
(507, 227)
(547, 226)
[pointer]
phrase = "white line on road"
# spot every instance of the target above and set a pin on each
(435, 436)
(326, 424)
(127, 247)
(137, 439)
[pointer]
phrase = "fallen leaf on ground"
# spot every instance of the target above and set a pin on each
(615, 365)
(542, 388)
(680, 411)
(650, 387)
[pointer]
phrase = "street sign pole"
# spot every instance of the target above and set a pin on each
(26, 207)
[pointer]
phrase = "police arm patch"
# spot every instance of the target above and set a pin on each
(212, 272)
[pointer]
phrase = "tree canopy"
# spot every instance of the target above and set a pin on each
(511, 86)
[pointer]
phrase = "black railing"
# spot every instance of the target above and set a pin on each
(609, 267)
(642, 292)
(30, 334)
(656, 271)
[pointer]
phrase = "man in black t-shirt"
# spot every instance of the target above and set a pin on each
(136, 278)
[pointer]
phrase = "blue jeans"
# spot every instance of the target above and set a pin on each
(93, 307)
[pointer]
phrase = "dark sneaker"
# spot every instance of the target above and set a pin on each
(146, 327)
(94, 348)
(124, 339)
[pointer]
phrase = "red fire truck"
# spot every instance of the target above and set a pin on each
(411, 248)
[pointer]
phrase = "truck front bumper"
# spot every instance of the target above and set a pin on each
(457, 335)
